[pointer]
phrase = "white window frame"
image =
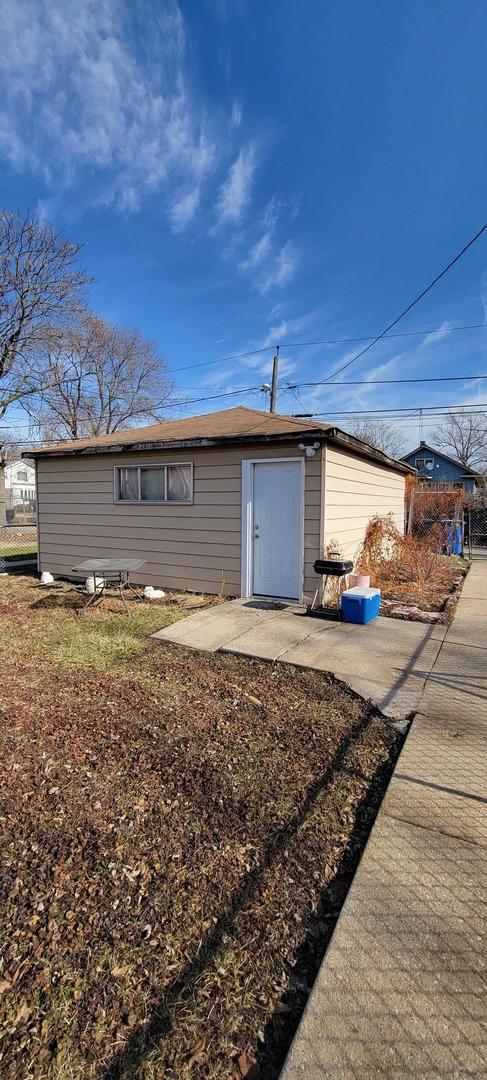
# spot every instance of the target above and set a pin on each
(153, 502)
(248, 518)
(423, 464)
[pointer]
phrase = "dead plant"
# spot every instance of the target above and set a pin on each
(407, 568)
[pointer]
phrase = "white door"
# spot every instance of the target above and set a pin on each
(277, 556)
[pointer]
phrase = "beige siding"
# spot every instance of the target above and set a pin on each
(355, 490)
(194, 547)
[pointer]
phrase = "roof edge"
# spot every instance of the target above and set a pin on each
(141, 445)
(332, 434)
(352, 443)
(447, 457)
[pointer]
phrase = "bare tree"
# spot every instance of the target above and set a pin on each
(382, 436)
(117, 379)
(13, 443)
(41, 291)
(464, 434)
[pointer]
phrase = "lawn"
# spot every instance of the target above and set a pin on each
(178, 833)
(18, 542)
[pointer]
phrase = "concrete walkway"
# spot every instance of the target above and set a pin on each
(387, 660)
(402, 989)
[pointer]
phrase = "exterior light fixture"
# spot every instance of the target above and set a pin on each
(309, 448)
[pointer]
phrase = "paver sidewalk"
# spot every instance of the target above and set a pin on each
(402, 989)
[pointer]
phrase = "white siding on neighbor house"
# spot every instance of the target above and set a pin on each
(20, 482)
(355, 490)
(195, 547)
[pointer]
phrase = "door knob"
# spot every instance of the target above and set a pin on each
(256, 532)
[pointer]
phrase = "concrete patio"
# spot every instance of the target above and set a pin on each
(387, 660)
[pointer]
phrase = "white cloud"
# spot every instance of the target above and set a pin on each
(436, 335)
(282, 270)
(483, 297)
(258, 253)
(83, 102)
(234, 194)
(184, 208)
(277, 333)
(286, 328)
(261, 250)
(272, 213)
(236, 114)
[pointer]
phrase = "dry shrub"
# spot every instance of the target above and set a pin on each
(405, 567)
(428, 508)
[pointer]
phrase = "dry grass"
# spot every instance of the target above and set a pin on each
(174, 828)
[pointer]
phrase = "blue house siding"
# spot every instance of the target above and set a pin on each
(444, 470)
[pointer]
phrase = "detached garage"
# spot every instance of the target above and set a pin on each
(238, 501)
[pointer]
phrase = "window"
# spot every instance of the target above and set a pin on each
(425, 463)
(22, 476)
(154, 483)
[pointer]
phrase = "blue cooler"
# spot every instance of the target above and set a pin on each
(360, 605)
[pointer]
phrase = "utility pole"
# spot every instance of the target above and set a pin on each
(275, 376)
(420, 424)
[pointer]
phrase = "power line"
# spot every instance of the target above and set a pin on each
(326, 341)
(212, 397)
(222, 359)
(351, 382)
(293, 387)
(369, 337)
(383, 382)
(177, 404)
(431, 413)
(401, 419)
(358, 382)
(411, 305)
(372, 412)
(397, 420)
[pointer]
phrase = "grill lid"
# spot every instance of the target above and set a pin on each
(337, 567)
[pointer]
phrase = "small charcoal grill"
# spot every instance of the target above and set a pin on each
(326, 568)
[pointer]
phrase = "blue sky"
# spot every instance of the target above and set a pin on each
(245, 174)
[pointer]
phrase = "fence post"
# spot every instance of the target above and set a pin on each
(2, 504)
(2, 488)
(410, 512)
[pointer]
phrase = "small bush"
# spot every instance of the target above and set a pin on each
(408, 568)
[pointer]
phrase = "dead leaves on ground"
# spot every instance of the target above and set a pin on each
(168, 837)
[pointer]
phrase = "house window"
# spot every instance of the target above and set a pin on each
(425, 463)
(154, 483)
(22, 476)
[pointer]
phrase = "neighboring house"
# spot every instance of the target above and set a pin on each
(20, 483)
(239, 501)
(437, 468)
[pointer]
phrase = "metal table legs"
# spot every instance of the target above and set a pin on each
(121, 584)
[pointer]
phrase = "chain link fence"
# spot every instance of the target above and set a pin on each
(18, 536)
(476, 527)
(437, 517)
